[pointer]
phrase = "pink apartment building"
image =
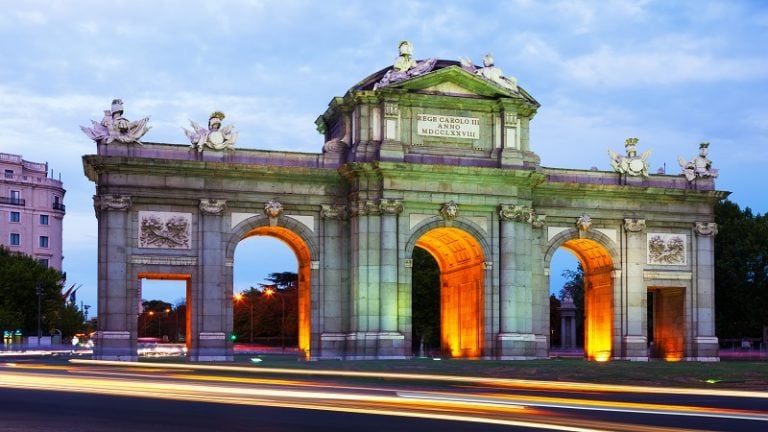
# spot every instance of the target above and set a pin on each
(31, 210)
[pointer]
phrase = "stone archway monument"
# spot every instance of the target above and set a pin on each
(433, 154)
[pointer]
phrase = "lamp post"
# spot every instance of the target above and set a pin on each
(39, 291)
(270, 291)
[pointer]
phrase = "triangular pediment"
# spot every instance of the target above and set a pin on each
(447, 78)
(455, 81)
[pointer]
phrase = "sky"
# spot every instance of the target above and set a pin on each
(671, 73)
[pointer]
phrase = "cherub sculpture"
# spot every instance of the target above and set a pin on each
(700, 166)
(405, 66)
(631, 164)
(215, 137)
(115, 127)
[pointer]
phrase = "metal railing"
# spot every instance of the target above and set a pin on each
(13, 201)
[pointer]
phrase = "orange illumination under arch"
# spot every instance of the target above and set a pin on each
(598, 297)
(460, 259)
(299, 247)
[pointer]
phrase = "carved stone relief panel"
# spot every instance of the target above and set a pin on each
(667, 249)
(165, 230)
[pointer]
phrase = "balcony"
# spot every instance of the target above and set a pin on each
(13, 201)
(58, 206)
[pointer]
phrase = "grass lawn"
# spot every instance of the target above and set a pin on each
(724, 374)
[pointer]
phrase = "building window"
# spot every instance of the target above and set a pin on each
(15, 239)
(43, 261)
(43, 241)
(15, 217)
(43, 219)
(9, 173)
(57, 205)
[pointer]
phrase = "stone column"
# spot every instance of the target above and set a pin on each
(706, 343)
(118, 305)
(516, 340)
(211, 318)
(391, 340)
(365, 257)
(332, 338)
(389, 270)
(635, 338)
(539, 284)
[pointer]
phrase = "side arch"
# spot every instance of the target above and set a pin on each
(599, 258)
(300, 240)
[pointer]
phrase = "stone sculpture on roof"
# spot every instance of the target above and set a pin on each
(405, 66)
(631, 164)
(115, 127)
(214, 137)
(698, 167)
(490, 72)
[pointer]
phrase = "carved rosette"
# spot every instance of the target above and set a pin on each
(583, 223)
(449, 211)
(212, 206)
(634, 225)
(111, 202)
(391, 207)
(706, 228)
(333, 211)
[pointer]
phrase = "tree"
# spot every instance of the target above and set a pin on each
(156, 319)
(741, 271)
(258, 314)
(20, 276)
(574, 287)
(425, 297)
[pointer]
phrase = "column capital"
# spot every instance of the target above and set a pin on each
(634, 225)
(705, 229)
(333, 211)
(212, 206)
(391, 207)
(111, 202)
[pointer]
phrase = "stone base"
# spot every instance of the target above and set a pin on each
(375, 345)
(707, 349)
(211, 346)
(542, 347)
(516, 346)
(114, 346)
(635, 348)
(332, 346)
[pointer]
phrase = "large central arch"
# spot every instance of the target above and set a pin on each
(460, 258)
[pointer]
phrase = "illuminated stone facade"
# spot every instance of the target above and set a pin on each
(439, 160)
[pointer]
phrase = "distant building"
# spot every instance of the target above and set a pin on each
(31, 210)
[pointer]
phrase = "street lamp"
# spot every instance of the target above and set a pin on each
(269, 292)
(239, 297)
(39, 291)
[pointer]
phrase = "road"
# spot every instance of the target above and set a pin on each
(97, 396)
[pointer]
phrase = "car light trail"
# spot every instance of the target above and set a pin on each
(199, 383)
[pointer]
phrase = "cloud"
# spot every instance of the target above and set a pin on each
(611, 67)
